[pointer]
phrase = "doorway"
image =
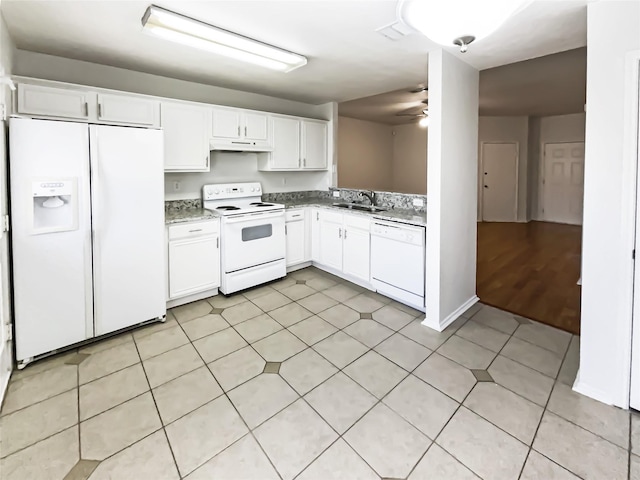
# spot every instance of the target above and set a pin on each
(499, 182)
(563, 183)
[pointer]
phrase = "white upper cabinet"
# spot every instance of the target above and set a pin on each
(55, 102)
(239, 129)
(298, 144)
(128, 109)
(186, 137)
(314, 145)
(286, 143)
(226, 123)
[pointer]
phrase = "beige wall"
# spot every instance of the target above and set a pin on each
(365, 150)
(409, 162)
(507, 129)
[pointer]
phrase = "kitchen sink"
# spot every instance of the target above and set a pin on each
(360, 207)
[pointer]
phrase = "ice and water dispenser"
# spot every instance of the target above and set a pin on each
(55, 205)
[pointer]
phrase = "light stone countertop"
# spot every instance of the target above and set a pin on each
(394, 215)
(188, 215)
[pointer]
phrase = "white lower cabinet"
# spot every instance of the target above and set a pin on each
(194, 258)
(296, 238)
(344, 243)
(314, 234)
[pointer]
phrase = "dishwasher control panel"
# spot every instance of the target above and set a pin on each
(401, 233)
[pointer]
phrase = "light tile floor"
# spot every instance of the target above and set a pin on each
(315, 378)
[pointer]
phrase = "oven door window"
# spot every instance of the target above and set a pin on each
(257, 232)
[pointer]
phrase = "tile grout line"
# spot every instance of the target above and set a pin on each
(249, 431)
(162, 426)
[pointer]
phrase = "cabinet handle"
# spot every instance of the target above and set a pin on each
(317, 216)
(206, 161)
(285, 230)
(304, 162)
(217, 242)
(339, 233)
(238, 130)
(345, 233)
(245, 131)
(195, 230)
(86, 109)
(99, 110)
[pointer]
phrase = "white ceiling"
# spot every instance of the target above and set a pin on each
(550, 85)
(347, 58)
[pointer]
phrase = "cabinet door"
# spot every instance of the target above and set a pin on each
(54, 102)
(295, 242)
(256, 127)
(286, 143)
(356, 253)
(194, 265)
(315, 235)
(226, 123)
(128, 109)
(331, 240)
(314, 145)
(186, 137)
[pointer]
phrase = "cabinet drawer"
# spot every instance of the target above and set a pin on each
(329, 216)
(193, 229)
(293, 215)
(357, 221)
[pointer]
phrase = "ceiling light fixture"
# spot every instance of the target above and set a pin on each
(424, 122)
(457, 22)
(187, 31)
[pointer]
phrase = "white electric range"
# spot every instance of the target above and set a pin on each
(253, 241)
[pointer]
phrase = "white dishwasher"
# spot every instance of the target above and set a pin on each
(398, 262)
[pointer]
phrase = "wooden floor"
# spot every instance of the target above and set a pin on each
(531, 269)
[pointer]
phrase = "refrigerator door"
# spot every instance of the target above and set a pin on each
(51, 233)
(127, 180)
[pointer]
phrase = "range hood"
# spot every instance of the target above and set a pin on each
(239, 146)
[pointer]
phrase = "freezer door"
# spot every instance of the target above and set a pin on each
(127, 178)
(51, 234)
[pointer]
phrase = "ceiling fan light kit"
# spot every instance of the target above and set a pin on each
(194, 33)
(457, 22)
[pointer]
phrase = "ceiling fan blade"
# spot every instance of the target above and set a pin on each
(410, 114)
(419, 89)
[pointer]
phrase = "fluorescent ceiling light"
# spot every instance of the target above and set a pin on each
(424, 122)
(180, 29)
(459, 22)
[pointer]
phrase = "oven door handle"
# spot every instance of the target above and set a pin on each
(252, 217)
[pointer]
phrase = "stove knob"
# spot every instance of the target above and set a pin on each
(216, 192)
(252, 189)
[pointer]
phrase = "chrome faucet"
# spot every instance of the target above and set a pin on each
(371, 195)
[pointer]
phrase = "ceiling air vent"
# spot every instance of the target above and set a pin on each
(395, 31)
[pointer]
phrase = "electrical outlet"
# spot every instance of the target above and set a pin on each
(284, 181)
(418, 202)
(176, 186)
(336, 194)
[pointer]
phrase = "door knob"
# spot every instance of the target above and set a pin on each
(486, 186)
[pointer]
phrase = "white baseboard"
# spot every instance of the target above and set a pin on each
(452, 317)
(591, 392)
(4, 383)
(191, 298)
(299, 266)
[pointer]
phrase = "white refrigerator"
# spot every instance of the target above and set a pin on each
(87, 222)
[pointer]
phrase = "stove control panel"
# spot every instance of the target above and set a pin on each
(220, 191)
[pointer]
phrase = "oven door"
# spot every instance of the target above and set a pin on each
(252, 239)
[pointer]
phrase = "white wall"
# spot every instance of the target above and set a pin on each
(365, 152)
(6, 348)
(607, 267)
(452, 186)
(553, 129)
(409, 160)
(534, 153)
(507, 129)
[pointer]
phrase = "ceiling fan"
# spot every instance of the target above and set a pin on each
(418, 111)
(419, 89)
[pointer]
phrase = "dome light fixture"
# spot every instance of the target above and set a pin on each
(457, 22)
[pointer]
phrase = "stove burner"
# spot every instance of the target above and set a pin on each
(228, 207)
(261, 204)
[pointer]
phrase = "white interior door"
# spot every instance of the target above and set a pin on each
(563, 182)
(5, 314)
(500, 182)
(634, 390)
(127, 182)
